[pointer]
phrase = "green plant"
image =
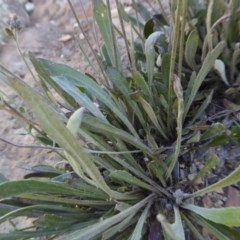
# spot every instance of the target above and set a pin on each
(127, 136)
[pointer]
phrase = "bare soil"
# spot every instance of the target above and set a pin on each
(47, 32)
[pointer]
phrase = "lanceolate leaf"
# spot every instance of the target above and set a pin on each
(137, 233)
(121, 83)
(75, 120)
(191, 49)
(142, 84)
(227, 216)
(150, 54)
(79, 97)
(202, 108)
(118, 228)
(218, 230)
(51, 124)
(152, 116)
(20, 187)
(196, 232)
(211, 162)
(55, 74)
(41, 233)
(219, 66)
(36, 210)
(99, 126)
(91, 231)
(124, 176)
(175, 230)
(206, 67)
(105, 27)
(230, 179)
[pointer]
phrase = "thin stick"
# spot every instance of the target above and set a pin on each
(29, 146)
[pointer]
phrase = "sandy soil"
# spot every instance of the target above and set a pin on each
(44, 33)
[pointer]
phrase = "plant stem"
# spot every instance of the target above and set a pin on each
(22, 56)
(123, 30)
(88, 42)
(182, 40)
(174, 40)
(179, 93)
(114, 45)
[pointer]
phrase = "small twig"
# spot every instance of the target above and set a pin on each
(29, 146)
(8, 108)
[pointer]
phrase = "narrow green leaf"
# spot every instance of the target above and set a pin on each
(202, 108)
(46, 168)
(214, 130)
(105, 26)
(93, 230)
(80, 97)
(230, 179)
(191, 49)
(166, 59)
(211, 162)
(54, 73)
(55, 128)
(227, 216)
(137, 233)
(150, 54)
(179, 93)
(233, 27)
(124, 176)
(152, 116)
(195, 138)
(190, 86)
(157, 170)
(142, 84)
(196, 232)
(121, 83)
(175, 230)
(41, 198)
(206, 67)
(41, 233)
(16, 188)
(118, 228)
(98, 126)
(219, 66)
(218, 230)
(40, 209)
(75, 120)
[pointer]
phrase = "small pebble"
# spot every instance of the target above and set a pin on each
(219, 203)
(65, 38)
(29, 7)
(81, 36)
(193, 168)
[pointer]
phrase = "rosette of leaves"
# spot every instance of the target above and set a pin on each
(126, 135)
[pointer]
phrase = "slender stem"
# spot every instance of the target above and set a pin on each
(123, 30)
(18, 115)
(182, 40)
(22, 56)
(179, 93)
(174, 39)
(208, 25)
(114, 45)
(138, 23)
(88, 42)
(29, 146)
